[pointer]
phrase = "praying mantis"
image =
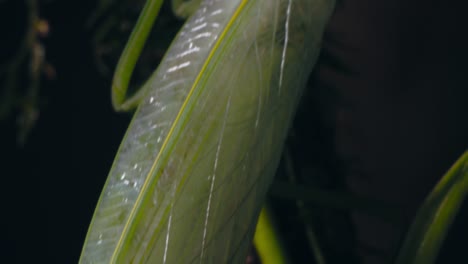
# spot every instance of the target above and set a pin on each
(192, 172)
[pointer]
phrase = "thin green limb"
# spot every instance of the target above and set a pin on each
(435, 216)
(267, 242)
(129, 57)
(184, 8)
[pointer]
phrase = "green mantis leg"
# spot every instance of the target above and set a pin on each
(132, 51)
(184, 8)
(129, 57)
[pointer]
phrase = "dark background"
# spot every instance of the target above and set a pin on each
(386, 114)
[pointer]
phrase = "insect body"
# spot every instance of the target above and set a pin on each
(192, 172)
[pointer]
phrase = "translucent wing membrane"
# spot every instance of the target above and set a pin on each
(193, 170)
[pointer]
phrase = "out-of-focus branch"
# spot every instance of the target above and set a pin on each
(30, 51)
(11, 69)
(314, 244)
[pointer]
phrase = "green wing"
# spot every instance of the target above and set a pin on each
(192, 172)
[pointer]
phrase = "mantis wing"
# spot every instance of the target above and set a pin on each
(192, 172)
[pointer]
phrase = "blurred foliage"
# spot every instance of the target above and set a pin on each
(21, 74)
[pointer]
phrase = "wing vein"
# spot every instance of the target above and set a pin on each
(213, 178)
(285, 46)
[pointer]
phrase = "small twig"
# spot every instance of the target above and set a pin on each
(11, 68)
(30, 47)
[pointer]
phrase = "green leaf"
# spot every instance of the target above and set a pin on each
(436, 215)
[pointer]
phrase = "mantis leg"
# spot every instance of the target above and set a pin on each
(132, 51)
(129, 57)
(184, 8)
